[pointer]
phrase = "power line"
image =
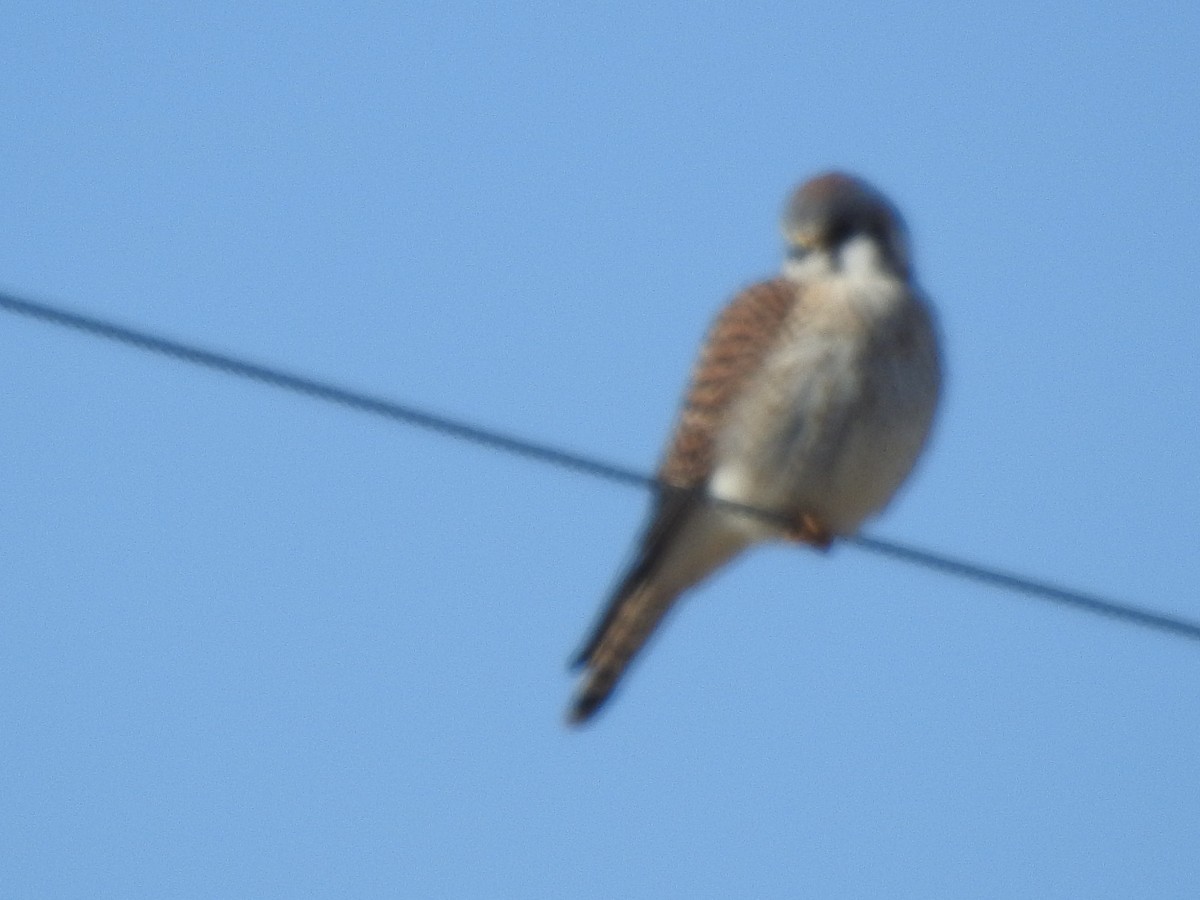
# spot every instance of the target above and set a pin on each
(508, 443)
(1023, 585)
(321, 390)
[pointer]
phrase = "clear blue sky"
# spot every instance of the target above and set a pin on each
(254, 646)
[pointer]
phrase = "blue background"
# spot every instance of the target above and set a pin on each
(256, 646)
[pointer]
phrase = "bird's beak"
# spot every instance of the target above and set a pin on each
(801, 241)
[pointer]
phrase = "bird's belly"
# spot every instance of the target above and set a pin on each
(874, 457)
(833, 447)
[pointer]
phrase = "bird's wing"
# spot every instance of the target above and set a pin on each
(685, 539)
(735, 348)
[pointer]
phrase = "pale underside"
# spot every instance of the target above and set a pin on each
(833, 420)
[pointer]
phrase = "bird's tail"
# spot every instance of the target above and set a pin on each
(625, 629)
(686, 540)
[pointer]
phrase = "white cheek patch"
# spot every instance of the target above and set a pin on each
(861, 255)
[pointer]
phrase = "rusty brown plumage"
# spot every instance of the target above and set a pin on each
(736, 345)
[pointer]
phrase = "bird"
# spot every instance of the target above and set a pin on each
(811, 400)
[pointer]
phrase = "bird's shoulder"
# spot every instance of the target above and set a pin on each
(738, 342)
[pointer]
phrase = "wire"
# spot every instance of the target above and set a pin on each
(1023, 585)
(410, 415)
(518, 446)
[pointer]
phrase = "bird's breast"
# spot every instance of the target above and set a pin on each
(836, 417)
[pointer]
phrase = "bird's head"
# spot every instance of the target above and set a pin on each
(838, 222)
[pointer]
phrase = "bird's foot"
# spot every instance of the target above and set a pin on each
(806, 529)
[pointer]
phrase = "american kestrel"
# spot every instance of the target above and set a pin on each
(811, 400)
